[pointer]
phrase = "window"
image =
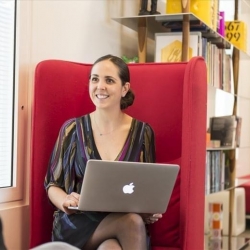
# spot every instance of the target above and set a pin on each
(9, 179)
(7, 48)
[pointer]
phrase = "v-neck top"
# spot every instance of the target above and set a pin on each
(75, 145)
(89, 132)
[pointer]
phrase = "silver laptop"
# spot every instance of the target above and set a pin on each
(119, 186)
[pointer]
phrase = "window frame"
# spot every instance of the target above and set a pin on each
(20, 129)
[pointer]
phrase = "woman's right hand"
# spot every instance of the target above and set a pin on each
(63, 200)
(71, 200)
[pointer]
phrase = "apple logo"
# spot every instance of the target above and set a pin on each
(128, 189)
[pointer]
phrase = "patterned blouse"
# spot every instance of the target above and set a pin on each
(75, 145)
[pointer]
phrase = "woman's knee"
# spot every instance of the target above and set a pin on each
(110, 244)
(134, 221)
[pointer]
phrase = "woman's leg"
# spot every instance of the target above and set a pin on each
(111, 244)
(128, 229)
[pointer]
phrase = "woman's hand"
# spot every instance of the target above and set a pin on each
(70, 200)
(63, 200)
(151, 218)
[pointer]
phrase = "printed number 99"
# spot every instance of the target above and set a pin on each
(235, 36)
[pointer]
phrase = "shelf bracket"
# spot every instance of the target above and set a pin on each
(185, 4)
(142, 39)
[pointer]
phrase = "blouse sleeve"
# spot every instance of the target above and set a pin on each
(62, 154)
(149, 144)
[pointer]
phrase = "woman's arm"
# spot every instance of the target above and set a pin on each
(149, 156)
(149, 145)
(56, 182)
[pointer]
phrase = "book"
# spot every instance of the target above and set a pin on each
(223, 128)
(238, 131)
(215, 178)
(221, 28)
(168, 46)
(227, 74)
(195, 25)
(214, 13)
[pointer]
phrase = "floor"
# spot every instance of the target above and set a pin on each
(236, 243)
(246, 234)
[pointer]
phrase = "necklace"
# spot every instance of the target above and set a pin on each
(100, 133)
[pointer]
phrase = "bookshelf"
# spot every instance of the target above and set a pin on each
(220, 101)
(147, 26)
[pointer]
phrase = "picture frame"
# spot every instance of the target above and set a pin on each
(168, 46)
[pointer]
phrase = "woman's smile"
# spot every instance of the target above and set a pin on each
(102, 96)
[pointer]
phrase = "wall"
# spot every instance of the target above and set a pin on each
(82, 30)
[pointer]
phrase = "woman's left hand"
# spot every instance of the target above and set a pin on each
(151, 218)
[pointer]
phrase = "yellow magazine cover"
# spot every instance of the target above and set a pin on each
(173, 52)
(203, 9)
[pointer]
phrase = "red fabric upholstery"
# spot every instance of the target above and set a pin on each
(171, 97)
(247, 192)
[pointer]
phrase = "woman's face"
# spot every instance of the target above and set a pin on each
(105, 85)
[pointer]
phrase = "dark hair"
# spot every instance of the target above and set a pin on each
(124, 75)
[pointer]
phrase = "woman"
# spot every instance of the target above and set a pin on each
(105, 134)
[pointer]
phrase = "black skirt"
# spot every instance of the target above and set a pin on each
(76, 228)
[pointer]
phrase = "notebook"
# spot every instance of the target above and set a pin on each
(120, 186)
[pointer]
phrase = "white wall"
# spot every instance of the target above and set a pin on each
(77, 30)
(82, 30)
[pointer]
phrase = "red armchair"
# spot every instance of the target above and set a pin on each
(171, 97)
(246, 186)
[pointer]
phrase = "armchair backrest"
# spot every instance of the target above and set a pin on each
(169, 96)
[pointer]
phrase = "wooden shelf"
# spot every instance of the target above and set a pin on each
(227, 186)
(220, 148)
(131, 22)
